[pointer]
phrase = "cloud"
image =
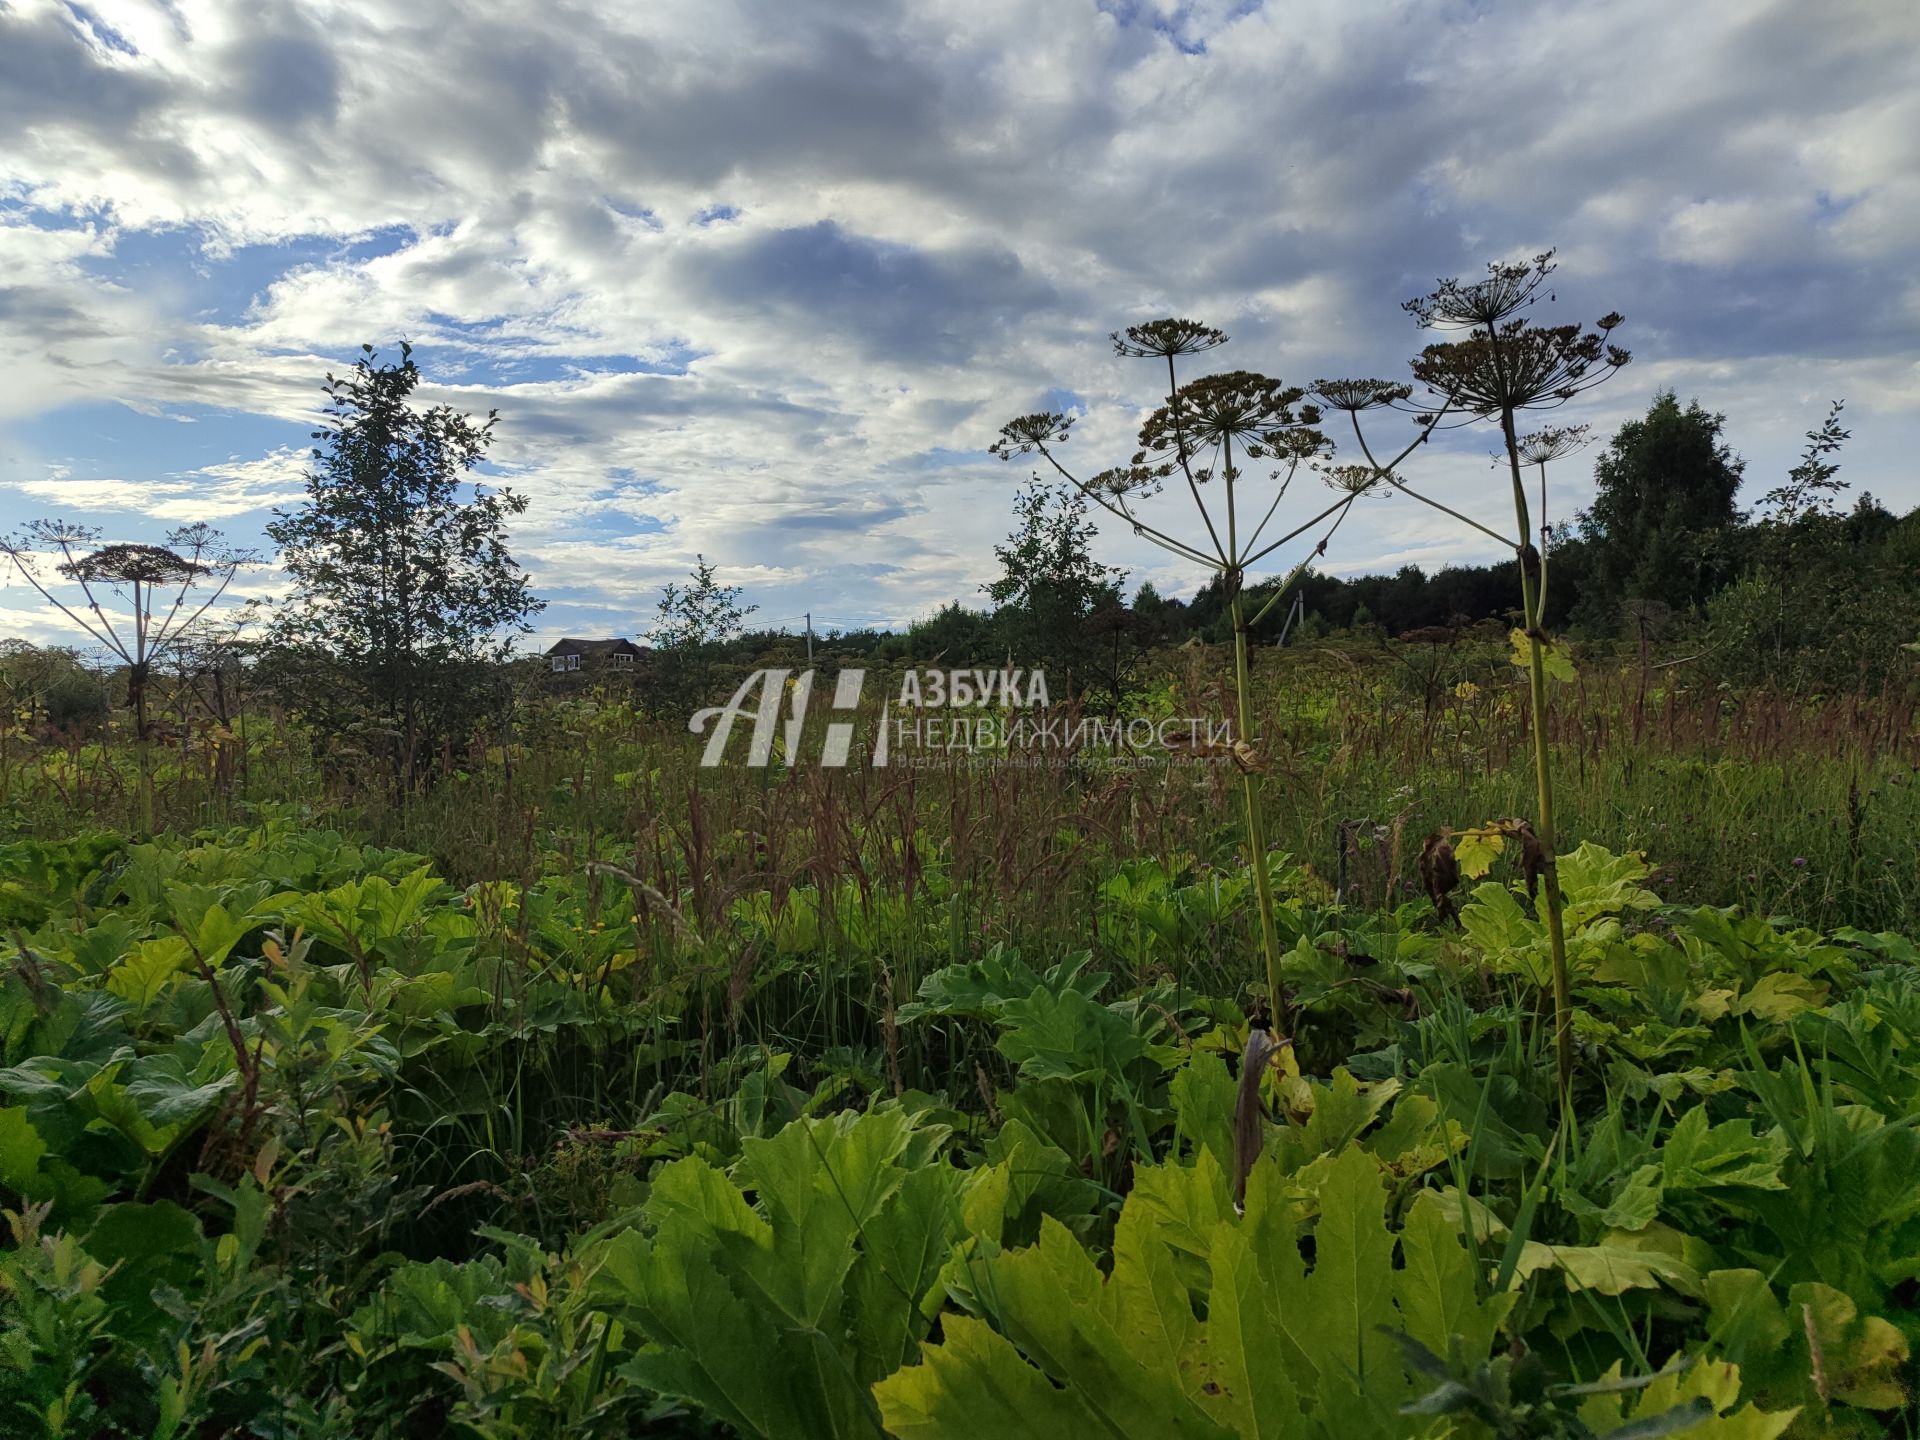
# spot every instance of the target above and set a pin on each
(213, 493)
(758, 279)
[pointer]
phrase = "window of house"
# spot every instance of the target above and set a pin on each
(573, 662)
(621, 657)
(559, 662)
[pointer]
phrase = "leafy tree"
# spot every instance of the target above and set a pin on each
(953, 635)
(1051, 588)
(1160, 617)
(159, 584)
(1828, 599)
(404, 589)
(1666, 486)
(1811, 488)
(694, 623)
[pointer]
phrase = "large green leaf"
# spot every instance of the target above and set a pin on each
(1698, 1158)
(1283, 1351)
(776, 1317)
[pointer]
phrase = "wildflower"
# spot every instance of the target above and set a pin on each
(1166, 338)
(1553, 443)
(1235, 406)
(1799, 862)
(1510, 287)
(1356, 395)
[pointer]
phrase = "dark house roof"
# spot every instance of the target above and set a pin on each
(596, 649)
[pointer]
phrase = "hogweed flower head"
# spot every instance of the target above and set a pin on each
(1236, 406)
(1556, 442)
(1354, 480)
(1164, 339)
(1520, 366)
(1510, 287)
(1354, 396)
(1030, 433)
(1130, 480)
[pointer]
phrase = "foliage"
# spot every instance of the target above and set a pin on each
(695, 621)
(292, 1135)
(1664, 498)
(403, 582)
(1054, 604)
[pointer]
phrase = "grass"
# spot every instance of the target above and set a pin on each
(1042, 973)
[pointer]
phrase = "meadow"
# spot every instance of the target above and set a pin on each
(589, 1091)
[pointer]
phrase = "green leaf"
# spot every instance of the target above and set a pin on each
(1780, 996)
(975, 1383)
(1476, 850)
(1436, 1286)
(1351, 1284)
(148, 969)
(1699, 1402)
(1556, 660)
(1067, 1036)
(1744, 1318)
(1202, 1095)
(20, 1150)
(168, 1097)
(1632, 1209)
(1695, 1157)
(777, 1318)
(1607, 1269)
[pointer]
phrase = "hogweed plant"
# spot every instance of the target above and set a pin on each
(1503, 365)
(1244, 438)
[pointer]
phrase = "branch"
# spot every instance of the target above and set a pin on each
(50, 598)
(1297, 531)
(1180, 450)
(1164, 541)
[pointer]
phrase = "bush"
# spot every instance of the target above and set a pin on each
(76, 701)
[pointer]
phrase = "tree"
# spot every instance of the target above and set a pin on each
(404, 588)
(693, 623)
(1050, 588)
(1826, 600)
(1666, 486)
(154, 580)
(1159, 616)
(1811, 488)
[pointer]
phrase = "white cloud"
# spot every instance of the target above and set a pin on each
(849, 241)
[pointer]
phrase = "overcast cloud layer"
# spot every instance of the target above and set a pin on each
(760, 279)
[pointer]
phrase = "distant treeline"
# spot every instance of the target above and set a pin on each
(1801, 591)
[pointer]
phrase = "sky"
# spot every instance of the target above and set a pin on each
(759, 280)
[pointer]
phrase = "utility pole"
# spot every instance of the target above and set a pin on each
(809, 637)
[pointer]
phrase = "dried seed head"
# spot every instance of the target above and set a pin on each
(1553, 443)
(1510, 287)
(1357, 395)
(1354, 479)
(1163, 339)
(1256, 411)
(1030, 433)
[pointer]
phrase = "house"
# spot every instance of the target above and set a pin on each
(594, 655)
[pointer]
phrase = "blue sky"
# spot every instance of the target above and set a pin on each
(759, 279)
